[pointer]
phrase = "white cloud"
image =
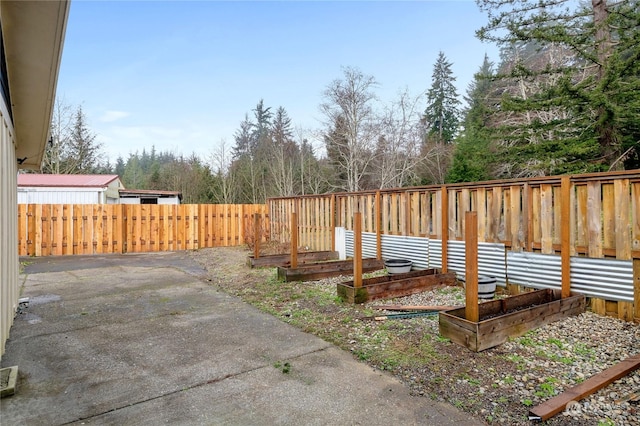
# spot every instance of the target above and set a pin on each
(110, 116)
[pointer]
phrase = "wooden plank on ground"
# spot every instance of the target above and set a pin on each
(549, 408)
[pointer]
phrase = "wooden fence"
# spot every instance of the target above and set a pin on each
(595, 215)
(65, 229)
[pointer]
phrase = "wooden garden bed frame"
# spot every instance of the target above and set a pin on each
(398, 285)
(318, 271)
(511, 317)
(284, 260)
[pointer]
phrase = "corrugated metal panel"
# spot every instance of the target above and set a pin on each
(426, 253)
(435, 253)
(368, 244)
(415, 249)
(534, 270)
(609, 279)
(491, 259)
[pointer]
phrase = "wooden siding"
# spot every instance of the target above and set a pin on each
(67, 229)
(603, 217)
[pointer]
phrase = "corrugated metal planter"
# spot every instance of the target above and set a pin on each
(389, 286)
(509, 317)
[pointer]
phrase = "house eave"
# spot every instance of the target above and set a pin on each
(33, 33)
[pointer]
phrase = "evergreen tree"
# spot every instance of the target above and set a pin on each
(120, 166)
(570, 97)
(441, 117)
(84, 151)
(472, 155)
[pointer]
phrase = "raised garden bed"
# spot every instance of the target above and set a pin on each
(285, 259)
(396, 285)
(316, 271)
(509, 317)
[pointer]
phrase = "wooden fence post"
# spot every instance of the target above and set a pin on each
(444, 208)
(357, 250)
(294, 240)
(565, 235)
(378, 226)
(471, 311)
(256, 235)
(332, 221)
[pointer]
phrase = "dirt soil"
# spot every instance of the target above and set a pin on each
(482, 384)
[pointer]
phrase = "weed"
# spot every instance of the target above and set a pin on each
(284, 367)
(547, 388)
(509, 380)
(583, 350)
(527, 402)
(441, 339)
(606, 422)
(557, 342)
(502, 400)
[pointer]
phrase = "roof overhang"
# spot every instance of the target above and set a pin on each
(33, 33)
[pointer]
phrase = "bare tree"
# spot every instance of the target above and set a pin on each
(56, 153)
(398, 149)
(221, 160)
(351, 126)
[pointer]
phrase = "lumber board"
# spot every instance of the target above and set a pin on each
(549, 408)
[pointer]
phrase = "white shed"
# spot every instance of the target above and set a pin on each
(149, 196)
(68, 189)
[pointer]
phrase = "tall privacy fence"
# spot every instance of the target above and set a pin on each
(533, 232)
(66, 229)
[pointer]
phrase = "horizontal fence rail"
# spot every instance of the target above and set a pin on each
(67, 229)
(591, 216)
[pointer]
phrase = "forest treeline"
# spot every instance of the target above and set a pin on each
(563, 97)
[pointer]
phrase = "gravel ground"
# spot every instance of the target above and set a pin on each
(499, 385)
(558, 356)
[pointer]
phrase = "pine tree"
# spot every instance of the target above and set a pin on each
(570, 83)
(472, 155)
(441, 117)
(84, 151)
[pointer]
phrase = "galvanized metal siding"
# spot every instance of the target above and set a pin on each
(491, 259)
(534, 270)
(415, 249)
(9, 290)
(610, 279)
(368, 244)
(426, 253)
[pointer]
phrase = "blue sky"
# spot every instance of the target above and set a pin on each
(181, 75)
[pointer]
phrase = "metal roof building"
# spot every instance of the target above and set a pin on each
(68, 189)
